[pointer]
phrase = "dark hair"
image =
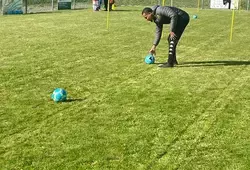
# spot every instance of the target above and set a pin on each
(146, 10)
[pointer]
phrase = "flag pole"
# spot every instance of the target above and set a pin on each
(232, 25)
(108, 16)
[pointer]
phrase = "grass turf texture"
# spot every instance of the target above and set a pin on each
(122, 113)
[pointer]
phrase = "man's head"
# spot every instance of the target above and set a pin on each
(147, 13)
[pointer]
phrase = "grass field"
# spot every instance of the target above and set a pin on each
(122, 113)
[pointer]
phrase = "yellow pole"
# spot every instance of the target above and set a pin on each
(232, 25)
(239, 5)
(198, 6)
(108, 16)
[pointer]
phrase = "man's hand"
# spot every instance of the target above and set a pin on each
(172, 36)
(153, 50)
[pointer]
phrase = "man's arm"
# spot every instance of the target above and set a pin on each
(158, 32)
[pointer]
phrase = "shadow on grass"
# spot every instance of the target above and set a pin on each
(213, 63)
(159, 63)
(74, 100)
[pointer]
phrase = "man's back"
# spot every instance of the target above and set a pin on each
(168, 11)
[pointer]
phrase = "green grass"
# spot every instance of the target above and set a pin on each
(122, 113)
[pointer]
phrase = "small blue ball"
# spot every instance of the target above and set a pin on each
(59, 95)
(195, 16)
(149, 59)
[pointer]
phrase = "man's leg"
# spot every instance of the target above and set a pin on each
(172, 49)
(100, 4)
(171, 53)
(106, 5)
(179, 33)
(173, 43)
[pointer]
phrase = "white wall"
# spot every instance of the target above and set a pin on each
(219, 4)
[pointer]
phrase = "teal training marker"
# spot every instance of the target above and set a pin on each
(195, 16)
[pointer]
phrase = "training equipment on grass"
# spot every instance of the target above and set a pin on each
(149, 59)
(59, 95)
(195, 16)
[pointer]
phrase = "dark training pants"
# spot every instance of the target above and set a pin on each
(181, 25)
(106, 5)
